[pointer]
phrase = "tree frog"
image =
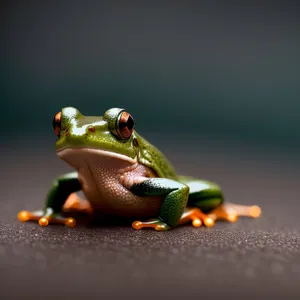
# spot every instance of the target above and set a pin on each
(121, 174)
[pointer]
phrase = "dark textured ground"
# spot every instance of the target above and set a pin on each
(249, 258)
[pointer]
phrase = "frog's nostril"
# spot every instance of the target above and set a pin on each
(56, 123)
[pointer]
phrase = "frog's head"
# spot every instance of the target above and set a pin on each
(111, 135)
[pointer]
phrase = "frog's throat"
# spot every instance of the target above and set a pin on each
(64, 153)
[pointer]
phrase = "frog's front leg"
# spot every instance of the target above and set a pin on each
(174, 202)
(61, 189)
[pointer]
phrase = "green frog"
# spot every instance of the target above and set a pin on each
(121, 174)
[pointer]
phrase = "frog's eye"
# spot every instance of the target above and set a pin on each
(56, 123)
(125, 125)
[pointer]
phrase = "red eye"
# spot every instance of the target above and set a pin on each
(125, 125)
(56, 123)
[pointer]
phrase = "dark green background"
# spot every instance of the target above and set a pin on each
(215, 70)
(215, 85)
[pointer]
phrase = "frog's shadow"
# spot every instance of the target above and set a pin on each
(83, 220)
(98, 221)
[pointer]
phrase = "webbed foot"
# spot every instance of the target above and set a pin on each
(197, 217)
(157, 224)
(45, 217)
(230, 212)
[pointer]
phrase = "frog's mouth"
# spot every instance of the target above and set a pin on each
(77, 154)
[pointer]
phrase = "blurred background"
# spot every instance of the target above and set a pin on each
(214, 70)
(214, 84)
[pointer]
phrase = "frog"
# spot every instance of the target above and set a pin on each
(122, 175)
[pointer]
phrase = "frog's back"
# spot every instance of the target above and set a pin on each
(151, 157)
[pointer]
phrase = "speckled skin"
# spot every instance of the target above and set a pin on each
(106, 182)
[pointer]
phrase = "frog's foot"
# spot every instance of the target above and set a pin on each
(74, 203)
(45, 217)
(230, 212)
(157, 224)
(197, 217)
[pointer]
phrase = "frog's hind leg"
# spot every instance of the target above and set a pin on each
(197, 217)
(230, 212)
(206, 205)
(204, 196)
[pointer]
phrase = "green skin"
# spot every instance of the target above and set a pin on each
(178, 192)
